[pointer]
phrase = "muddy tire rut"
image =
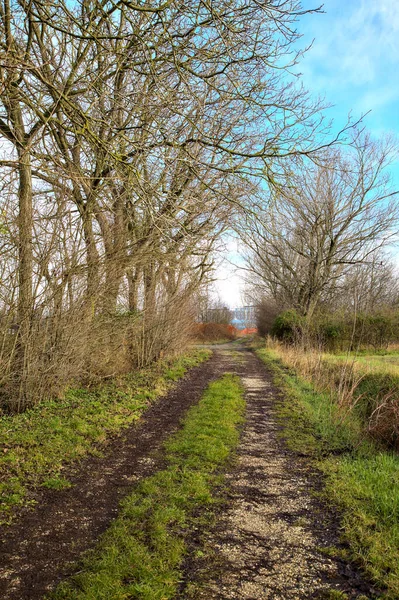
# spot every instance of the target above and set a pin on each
(39, 550)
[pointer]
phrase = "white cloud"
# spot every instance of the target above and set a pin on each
(229, 286)
(229, 283)
(356, 44)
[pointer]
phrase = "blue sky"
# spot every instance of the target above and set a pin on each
(354, 65)
(354, 61)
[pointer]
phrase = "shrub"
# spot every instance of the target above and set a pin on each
(266, 314)
(288, 326)
(352, 332)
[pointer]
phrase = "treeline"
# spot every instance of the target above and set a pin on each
(337, 331)
(129, 134)
(336, 327)
(360, 312)
(318, 251)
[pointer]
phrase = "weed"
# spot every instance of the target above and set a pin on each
(334, 552)
(57, 483)
(333, 595)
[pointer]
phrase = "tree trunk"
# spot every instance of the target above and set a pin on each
(93, 262)
(116, 258)
(25, 225)
(133, 277)
(149, 292)
(25, 271)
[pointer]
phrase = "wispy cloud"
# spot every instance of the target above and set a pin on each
(356, 44)
(354, 61)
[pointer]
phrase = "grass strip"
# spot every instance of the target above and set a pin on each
(140, 555)
(37, 444)
(360, 478)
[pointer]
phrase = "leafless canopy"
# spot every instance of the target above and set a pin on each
(128, 130)
(330, 217)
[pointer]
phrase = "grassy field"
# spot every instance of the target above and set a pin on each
(141, 554)
(361, 477)
(386, 364)
(37, 444)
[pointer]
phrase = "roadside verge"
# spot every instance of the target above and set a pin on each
(360, 478)
(38, 444)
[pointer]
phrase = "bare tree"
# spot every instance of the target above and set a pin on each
(327, 219)
(368, 287)
(129, 132)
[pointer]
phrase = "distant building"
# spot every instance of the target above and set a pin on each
(244, 317)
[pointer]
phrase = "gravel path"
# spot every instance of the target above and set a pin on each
(267, 543)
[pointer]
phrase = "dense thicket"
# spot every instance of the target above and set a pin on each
(335, 331)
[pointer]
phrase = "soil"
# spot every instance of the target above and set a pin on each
(268, 542)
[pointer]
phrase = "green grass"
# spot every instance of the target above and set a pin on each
(360, 478)
(374, 363)
(376, 379)
(57, 483)
(37, 444)
(367, 389)
(140, 555)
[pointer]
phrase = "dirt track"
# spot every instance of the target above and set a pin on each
(265, 545)
(36, 553)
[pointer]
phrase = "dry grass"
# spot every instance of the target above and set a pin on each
(71, 349)
(368, 363)
(365, 384)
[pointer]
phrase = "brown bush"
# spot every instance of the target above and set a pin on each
(213, 332)
(69, 349)
(384, 420)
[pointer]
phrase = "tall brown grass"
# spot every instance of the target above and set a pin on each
(69, 349)
(374, 396)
